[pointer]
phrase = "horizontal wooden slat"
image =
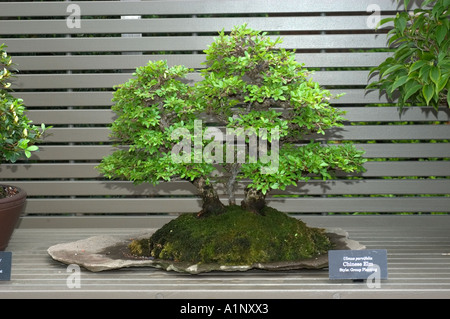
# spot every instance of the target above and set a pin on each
(74, 81)
(49, 99)
(305, 205)
(386, 132)
(189, 7)
(87, 170)
(90, 134)
(407, 168)
(184, 25)
(357, 132)
(353, 114)
(108, 80)
(390, 114)
(377, 150)
(113, 62)
(58, 99)
(291, 205)
(402, 150)
(106, 62)
(72, 116)
(182, 188)
(183, 43)
(72, 152)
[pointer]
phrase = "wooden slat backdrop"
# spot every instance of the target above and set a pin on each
(67, 75)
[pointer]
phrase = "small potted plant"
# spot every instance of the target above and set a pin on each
(17, 139)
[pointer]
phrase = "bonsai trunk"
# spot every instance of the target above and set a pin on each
(254, 201)
(211, 203)
(231, 183)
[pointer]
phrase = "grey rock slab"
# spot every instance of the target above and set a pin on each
(107, 252)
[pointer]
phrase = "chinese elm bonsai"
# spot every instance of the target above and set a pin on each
(261, 107)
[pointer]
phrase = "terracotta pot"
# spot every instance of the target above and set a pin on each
(10, 210)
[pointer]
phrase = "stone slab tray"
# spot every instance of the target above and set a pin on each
(108, 252)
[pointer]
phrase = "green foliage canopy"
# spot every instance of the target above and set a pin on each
(247, 84)
(419, 70)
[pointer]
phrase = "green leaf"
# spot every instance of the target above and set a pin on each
(23, 144)
(32, 148)
(416, 65)
(427, 2)
(411, 91)
(424, 72)
(384, 21)
(441, 32)
(400, 23)
(435, 74)
(442, 82)
(404, 53)
(428, 91)
(400, 81)
(392, 69)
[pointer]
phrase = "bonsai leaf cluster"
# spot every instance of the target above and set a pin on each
(18, 135)
(419, 69)
(250, 88)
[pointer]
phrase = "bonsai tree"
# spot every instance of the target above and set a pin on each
(18, 135)
(419, 69)
(261, 108)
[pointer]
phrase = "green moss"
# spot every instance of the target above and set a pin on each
(236, 237)
(140, 247)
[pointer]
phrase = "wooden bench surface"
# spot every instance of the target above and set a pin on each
(418, 250)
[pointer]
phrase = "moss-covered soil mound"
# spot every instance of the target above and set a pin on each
(236, 237)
